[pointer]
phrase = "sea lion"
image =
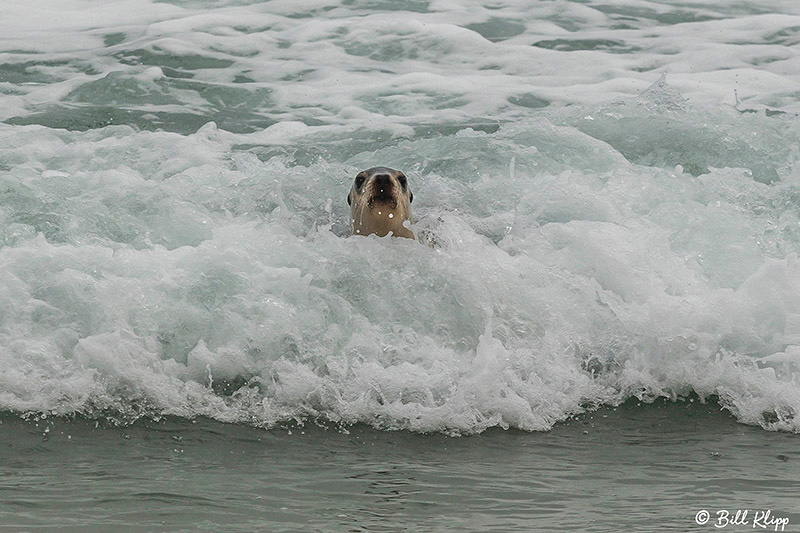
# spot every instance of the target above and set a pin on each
(380, 202)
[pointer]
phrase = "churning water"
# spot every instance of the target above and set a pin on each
(613, 188)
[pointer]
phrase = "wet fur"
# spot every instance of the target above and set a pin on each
(376, 194)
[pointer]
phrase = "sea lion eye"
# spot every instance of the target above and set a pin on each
(402, 179)
(360, 181)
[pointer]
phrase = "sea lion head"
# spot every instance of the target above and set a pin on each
(380, 202)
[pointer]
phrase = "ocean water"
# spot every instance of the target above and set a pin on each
(649, 467)
(612, 188)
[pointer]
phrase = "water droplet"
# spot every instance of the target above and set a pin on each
(391, 215)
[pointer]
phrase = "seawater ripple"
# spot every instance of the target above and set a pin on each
(615, 211)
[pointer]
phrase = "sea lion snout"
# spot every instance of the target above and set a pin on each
(382, 189)
(382, 180)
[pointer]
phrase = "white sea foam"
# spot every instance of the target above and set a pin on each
(173, 215)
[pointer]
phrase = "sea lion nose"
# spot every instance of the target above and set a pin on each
(382, 180)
